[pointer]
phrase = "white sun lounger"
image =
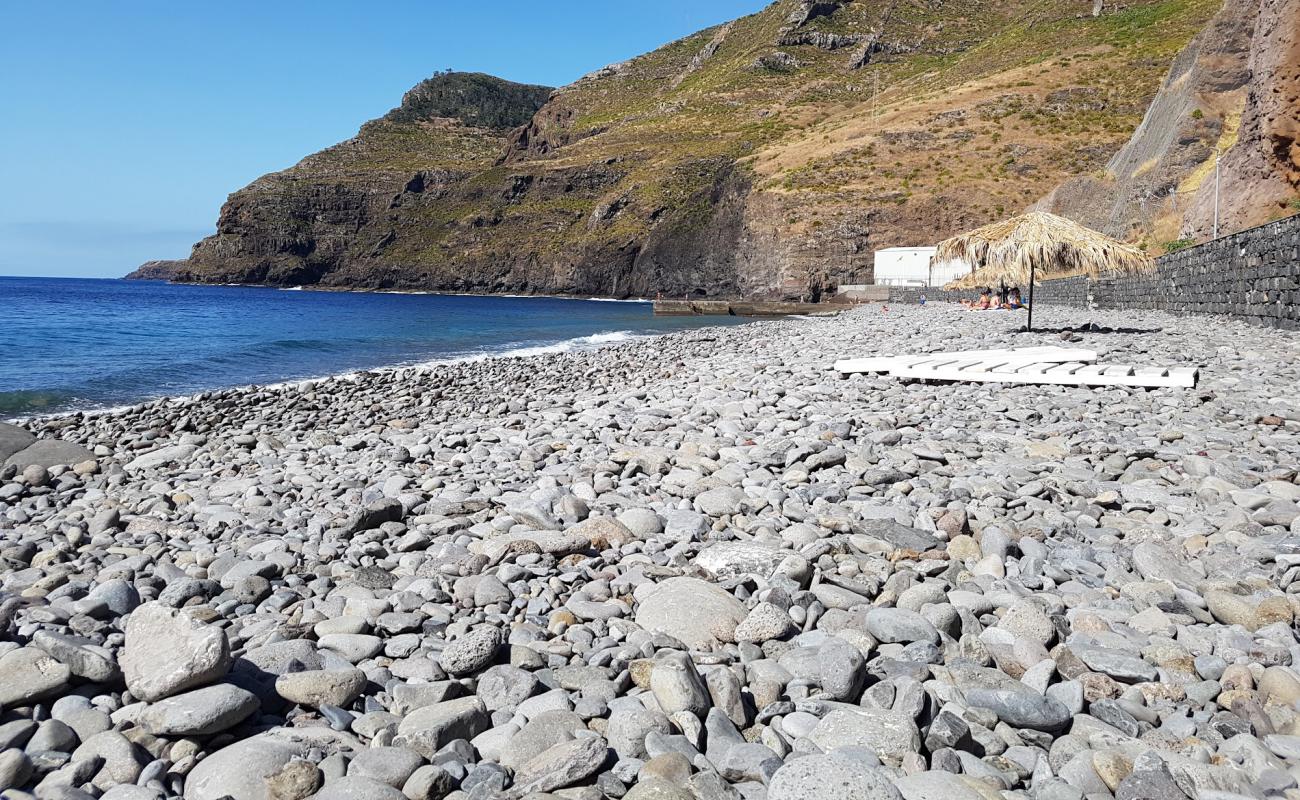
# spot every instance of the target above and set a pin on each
(1018, 355)
(1069, 373)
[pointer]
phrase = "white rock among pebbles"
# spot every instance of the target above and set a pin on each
(695, 612)
(168, 651)
(733, 559)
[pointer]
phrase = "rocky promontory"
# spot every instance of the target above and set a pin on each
(161, 270)
(699, 567)
(770, 156)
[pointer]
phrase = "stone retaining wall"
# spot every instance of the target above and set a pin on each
(1253, 275)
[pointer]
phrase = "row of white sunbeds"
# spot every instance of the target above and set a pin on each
(1038, 365)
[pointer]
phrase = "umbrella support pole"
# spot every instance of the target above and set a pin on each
(1030, 325)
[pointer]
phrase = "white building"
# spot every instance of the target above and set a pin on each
(913, 266)
(903, 266)
(946, 272)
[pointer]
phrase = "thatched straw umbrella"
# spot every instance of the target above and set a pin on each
(1037, 246)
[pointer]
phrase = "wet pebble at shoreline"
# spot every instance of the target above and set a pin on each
(700, 567)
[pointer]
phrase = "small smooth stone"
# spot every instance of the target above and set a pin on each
(201, 712)
(315, 688)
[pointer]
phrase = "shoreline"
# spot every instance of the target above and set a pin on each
(363, 290)
(701, 553)
(531, 351)
(66, 392)
(448, 293)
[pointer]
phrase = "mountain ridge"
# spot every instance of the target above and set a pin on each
(766, 157)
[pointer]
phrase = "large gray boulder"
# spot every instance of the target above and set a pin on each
(1022, 709)
(13, 439)
(540, 734)
(563, 765)
(937, 785)
(830, 777)
(894, 535)
(240, 770)
(385, 509)
(698, 613)
(427, 729)
(890, 734)
(174, 454)
(354, 787)
(677, 686)
(318, 687)
(201, 712)
(29, 674)
(167, 651)
(48, 453)
(82, 656)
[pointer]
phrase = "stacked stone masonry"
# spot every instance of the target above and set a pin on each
(1253, 275)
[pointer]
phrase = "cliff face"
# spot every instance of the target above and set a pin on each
(766, 158)
(1234, 92)
(162, 270)
(1259, 173)
(329, 218)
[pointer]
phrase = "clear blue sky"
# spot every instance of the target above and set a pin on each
(125, 124)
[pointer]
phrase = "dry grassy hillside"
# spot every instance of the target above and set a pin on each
(765, 157)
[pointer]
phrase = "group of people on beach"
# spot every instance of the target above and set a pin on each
(1009, 301)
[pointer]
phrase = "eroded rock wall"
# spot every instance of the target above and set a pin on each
(1260, 174)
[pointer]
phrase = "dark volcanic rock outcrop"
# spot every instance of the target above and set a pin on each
(330, 218)
(160, 270)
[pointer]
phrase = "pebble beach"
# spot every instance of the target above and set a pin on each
(702, 566)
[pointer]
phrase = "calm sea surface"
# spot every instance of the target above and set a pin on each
(72, 344)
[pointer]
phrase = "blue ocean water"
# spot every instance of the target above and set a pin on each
(74, 344)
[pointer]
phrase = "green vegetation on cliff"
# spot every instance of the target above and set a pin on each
(475, 99)
(768, 156)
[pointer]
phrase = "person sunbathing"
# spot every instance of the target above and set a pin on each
(1013, 300)
(983, 303)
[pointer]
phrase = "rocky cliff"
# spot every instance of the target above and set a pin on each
(331, 217)
(1232, 94)
(161, 270)
(767, 157)
(1260, 170)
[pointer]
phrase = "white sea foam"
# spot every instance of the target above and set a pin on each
(606, 338)
(591, 342)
